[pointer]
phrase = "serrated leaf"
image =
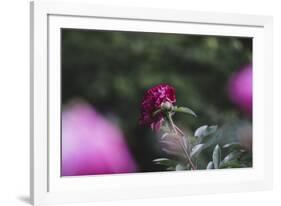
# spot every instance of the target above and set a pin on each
(205, 130)
(185, 110)
(196, 149)
(217, 156)
(210, 165)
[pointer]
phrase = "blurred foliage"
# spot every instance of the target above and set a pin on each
(112, 70)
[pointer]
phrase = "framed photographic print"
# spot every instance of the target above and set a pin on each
(141, 102)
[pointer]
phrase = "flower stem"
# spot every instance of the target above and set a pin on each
(171, 122)
(176, 130)
(188, 157)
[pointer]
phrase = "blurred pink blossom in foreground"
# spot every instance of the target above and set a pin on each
(240, 89)
(91, 144)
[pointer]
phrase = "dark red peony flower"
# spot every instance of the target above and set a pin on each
(152, 100)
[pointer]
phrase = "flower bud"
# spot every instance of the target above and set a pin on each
(168, 106)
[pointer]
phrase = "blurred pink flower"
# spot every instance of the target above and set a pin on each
(240, 89)
(91, 144)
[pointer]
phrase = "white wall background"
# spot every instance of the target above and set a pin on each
(14, 100)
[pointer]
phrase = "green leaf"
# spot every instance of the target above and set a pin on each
(184, 110)
(200, 132)
(246, 158)
(160, 159)
(192, 140)
(196, 149)
(233, 164)
(205, 130)
(210, 165)
(233, 145)
(180, 167)
(166, 162)
(230, 157)
(217, 156)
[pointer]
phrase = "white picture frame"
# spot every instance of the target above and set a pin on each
(47, 186)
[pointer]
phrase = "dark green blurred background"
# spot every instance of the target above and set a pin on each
(112, 70)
